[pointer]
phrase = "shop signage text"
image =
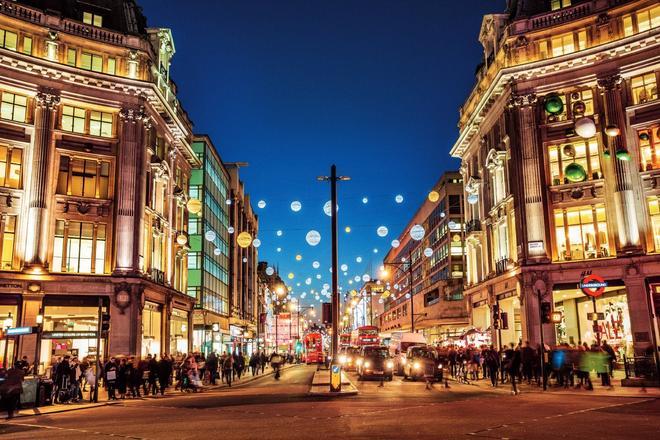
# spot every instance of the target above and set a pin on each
(593, 285)
(69, 335)
(17, 331)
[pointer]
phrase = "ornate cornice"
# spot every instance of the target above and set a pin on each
(48, 98)
(610, 82)
(134, 114)
(522, 100)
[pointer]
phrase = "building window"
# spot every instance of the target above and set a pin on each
(644, 88)
(89, 61)
(71, 56)
(100, 124)
(584, 153)
(13, 107)
(73, 119)
(649, 148)
(581, 233)
(92, 19)
(8, 40)
(79, 247)
(7, 242)
(648, 19)
(499, 184)
(27, 45)
(83, 177)
(112, 66)
(654, 211)
(562, 44)
(11, 162)
(558, 4)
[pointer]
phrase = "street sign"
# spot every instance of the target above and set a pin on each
(593, 285)
(285, 315)
(17, 331)
(69, 335)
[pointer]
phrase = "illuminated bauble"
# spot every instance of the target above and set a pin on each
(217, 251)
(308, 281)
(428, 252)
(256, 242)
(244, 239)
(210, 235)
(327, 208)
(606, 154)
(182, 239)
(296, 206)
(612, 130)
(375, 250)
(553, 104)
(194, 206)
(313, 238)
(579, 108)
(382, 231)
(270, 271)
(644, 136)
(358, 259)
(347, 229)
(244, 259)
(407, 296)
(434, 196)
(417, 232)
(623, 154)
(366, 278)
(298, 257)
(452, 224)
(230, 229)
(228, 202)
(575, 172)
(290, 276)
(365, 200)
(316, 265)
(585, 128)
(569, 150)
(318, 276)
(279, 249)
(396, 243)
(344, 267)
(472, 199)
(279, 233)
(261, 204)
(398, 198)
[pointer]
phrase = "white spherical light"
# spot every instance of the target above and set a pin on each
(230, 229)
(279, 233)
(256, 243)
(358, 260)
(398, 198)
(313, 238)
(365, 200)
(585, 127)
(327, 208)
(472, 199)
(217, 251)
(209, 235)
(382, 231)
(316, 265)
(270, 271)
(261, 204)
(296, 206)
(396, 243)
(344, 267)
(366, 278)
(417, 232)
(428, 252)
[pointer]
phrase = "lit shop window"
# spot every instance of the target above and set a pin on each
(27, 45)
(570, 101)
(92, 19)
(79, 247)
(654, 211)
(641, 21)
(8, 231)
(13, 107)
(581, 233)
(73, 119)
(574, 162)
(8, 40)
(558, 4)
(100, 124)
(83, 177)
(11, 162)
(568, 43)
(649, 148)
(89, 61)
(644, 88)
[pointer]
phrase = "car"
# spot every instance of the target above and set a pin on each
(422, 363)
(348, 356)
(399, 344)
(375, 361)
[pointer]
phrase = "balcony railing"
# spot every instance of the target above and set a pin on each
(473, 226)
(502, 265)
(157, 276)
(27, 14)
(561, 16)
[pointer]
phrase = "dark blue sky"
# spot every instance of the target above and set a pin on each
(294, 86)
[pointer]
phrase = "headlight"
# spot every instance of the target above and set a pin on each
(440, 366)
(359, 362)
(390, 364)
(416, 366)
(403, 361)
(342, 359)
(349, 360)
(367, 364)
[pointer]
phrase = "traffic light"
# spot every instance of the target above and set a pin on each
(105, 322)
(546, 312)
(496, 316)
(504, 320)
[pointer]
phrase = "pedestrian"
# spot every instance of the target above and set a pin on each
(492, 364)
(212, 367)
(11, 389)
(121, 378)
(527, 358)
(263, 360)
(135, 381)
(221, 363)
(23, 364)
(153, 375)
(513, 367)
(254, 363)
(228, 369)
(164, 372)
(611, 357)
(63, 380)
(239, 364)
(143, 369)
(111, 378)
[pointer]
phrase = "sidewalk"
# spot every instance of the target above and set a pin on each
(103, 397)
(616, 391)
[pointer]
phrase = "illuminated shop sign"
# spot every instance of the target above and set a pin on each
(593, 285)
(69, 335)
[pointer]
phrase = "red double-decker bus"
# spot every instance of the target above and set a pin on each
(344, 339)
(313, 348)
(365, 335)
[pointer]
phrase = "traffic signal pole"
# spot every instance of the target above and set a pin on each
(335, 283)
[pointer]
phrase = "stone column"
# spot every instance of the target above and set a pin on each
(641, 325)
(36, 246)
(530, 284)
(130, 189)
(626, 220)
(525, 107)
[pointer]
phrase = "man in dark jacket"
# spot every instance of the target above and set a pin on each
(164, 372)
(513, 366)
(212, 367)
(153, 375)
(528, 358)
(11, 388)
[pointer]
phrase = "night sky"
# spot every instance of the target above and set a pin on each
(293, 86)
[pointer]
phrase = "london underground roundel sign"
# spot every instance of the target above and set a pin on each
(593, 285)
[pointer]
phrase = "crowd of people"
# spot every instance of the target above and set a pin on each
(564, 366)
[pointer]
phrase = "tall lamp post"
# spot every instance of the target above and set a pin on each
(333, 178)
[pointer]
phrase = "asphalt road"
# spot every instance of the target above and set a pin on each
(267, 409)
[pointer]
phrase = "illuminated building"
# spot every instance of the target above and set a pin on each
(560, 149)
(95, 157)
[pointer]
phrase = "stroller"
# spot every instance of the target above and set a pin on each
(190, 382)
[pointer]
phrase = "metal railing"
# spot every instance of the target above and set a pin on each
(641, 367)
(473, 226)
